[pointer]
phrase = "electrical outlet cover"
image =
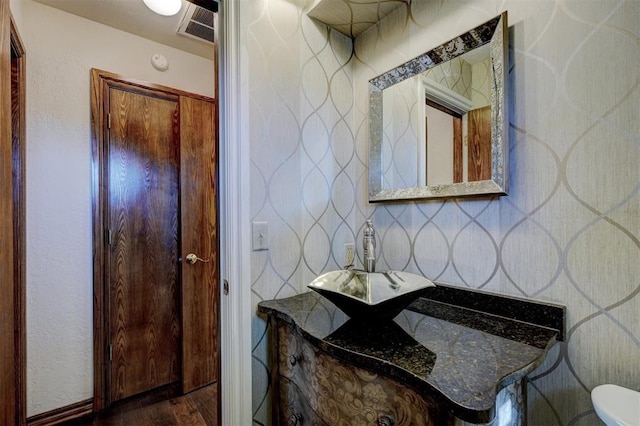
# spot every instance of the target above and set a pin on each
(349, 254)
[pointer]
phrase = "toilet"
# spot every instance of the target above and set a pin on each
(616, 405)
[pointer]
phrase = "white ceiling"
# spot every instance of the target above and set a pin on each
(134, 17)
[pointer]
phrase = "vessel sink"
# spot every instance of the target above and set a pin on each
(371, 296)
(616, 405)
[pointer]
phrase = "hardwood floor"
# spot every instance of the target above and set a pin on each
(198, 408)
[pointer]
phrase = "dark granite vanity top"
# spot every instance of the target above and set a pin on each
(456, 354)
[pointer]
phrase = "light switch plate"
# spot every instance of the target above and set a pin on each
(259, 236)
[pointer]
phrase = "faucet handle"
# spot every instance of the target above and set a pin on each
(369, 243)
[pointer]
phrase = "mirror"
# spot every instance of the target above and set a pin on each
(438, 124)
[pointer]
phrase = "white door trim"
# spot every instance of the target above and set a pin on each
(235, 308)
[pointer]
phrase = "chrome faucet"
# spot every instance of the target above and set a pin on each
(369, 243)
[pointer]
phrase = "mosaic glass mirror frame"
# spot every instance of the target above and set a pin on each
(494, 32)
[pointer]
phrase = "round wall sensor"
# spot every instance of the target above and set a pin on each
(159, 62)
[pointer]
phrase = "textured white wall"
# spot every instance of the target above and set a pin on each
(61, 50)
(439, 147)
(568, 232)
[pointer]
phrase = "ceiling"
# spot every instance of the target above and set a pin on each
(353, 17)
(134, 17)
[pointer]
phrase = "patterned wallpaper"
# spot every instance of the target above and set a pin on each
(569, 231)
(454, 74)
(403, 124)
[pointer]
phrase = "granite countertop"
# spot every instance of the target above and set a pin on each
(460, 356)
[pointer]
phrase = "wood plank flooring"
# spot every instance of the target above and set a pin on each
(198, 408)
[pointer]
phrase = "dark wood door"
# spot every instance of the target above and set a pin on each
(143, 223)
(479, 144)
(156, 319)
(198, 157)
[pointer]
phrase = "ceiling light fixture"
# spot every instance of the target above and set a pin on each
(164, 7)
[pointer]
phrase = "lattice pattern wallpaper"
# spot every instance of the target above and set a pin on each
(568, 232)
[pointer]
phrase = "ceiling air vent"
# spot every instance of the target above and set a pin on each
(198, 23)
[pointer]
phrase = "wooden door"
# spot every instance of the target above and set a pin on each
(199, 237)
(143, 215)
(479, 136)
(156, 202)
(458, 175)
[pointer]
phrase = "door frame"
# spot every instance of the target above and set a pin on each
(235, 205)
(101, 81)
(7, 265)
(18, 136)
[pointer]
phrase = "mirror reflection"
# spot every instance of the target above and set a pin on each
(437, 122)
(458, 119)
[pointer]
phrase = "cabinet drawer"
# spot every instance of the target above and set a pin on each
(297, 359)
(343, 394)
(295, 410)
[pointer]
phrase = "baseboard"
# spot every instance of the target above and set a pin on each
(62, 414)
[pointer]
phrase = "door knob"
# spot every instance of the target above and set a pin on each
(192, 259)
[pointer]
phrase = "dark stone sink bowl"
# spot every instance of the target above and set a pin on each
(371, 296)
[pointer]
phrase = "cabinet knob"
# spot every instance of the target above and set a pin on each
(293, 359)
(386, 420)
(295, 419)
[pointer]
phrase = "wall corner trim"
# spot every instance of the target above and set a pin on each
(235, 308)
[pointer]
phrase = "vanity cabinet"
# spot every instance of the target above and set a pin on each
(435, 364)
(313, 388)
